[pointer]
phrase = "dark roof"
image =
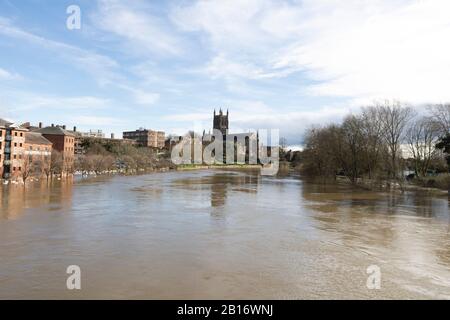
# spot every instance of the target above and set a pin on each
(36, 138)
(7, 124)
(55, 131)
(4, 123)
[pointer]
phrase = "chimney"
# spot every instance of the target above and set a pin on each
(74, 129)
(112, 136)
(40, 125)
(64, 127)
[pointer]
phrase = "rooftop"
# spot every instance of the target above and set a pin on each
(55, 130)
(4, 123)
(36, 138)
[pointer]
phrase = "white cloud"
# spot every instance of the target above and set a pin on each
(147, 98)
(104, 68)
(388, 50)
(96, 121)
(97, 65)
(6, 75)
(21, 101)
(188, 117)
(140, 96)
(356, 49)
(133, 22)
(221, 67)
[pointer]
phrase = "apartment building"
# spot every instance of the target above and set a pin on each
(146, 138)
(12, 143)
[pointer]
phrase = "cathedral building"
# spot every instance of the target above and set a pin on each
(244, 145)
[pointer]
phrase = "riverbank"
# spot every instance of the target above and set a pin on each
(440, 182)
(188, 167)
(385, 185)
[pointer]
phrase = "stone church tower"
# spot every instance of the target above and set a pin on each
(221, 122)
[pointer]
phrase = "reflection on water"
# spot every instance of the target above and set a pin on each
(220, 234)
(15, 199)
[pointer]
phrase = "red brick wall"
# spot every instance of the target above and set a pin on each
(65, 145)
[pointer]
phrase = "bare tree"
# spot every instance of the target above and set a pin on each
(372, 130)
(27, 166)
(46, 166)
(322, 147)
(351, 150)
(394, 118)
(441, 114)
(283, 143)
(56, 163)
(422, 137)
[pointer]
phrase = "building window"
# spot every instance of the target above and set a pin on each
(20, 145)
(14, 168)
(15, 134)
(15, 156)
(20, 156)
(21, 134)
(15, 144)
(20, 168)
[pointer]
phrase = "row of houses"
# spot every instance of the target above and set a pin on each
(23, 144)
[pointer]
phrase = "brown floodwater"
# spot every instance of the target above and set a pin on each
(220, 235)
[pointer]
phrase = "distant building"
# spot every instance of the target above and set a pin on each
(12, 142)
(64, 142)
(146, 138)
(94, 136)
(91, 134)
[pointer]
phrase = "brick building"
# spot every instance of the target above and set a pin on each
(38, 149)
(146, 138)
(63, 141)
(12, 143)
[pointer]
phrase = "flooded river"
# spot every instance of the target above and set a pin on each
(220, 235)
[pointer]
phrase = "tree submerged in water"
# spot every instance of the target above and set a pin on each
(444, 145)
(385, 145)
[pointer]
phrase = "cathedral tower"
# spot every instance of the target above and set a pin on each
(221, 122)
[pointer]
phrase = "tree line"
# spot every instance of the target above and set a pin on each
(380, 143)
(99, 156)
(102, 156)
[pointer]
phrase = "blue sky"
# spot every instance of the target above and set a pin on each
(167, 65)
